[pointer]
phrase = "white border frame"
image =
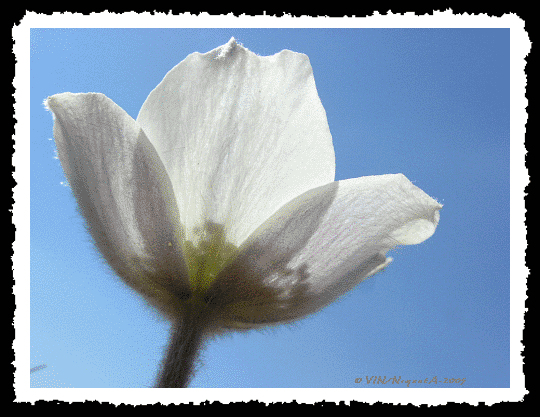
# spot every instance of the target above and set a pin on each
(519, 48)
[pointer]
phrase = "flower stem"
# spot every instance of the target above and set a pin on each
(184, 346)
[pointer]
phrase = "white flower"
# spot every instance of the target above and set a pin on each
(219, 205)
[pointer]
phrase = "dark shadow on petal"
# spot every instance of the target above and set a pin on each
(158, 220)
(260, 286)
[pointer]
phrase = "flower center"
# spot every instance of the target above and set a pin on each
(206, 259)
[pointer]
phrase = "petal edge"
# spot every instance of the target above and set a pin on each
(123, 192)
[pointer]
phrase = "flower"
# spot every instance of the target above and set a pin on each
(219, 205)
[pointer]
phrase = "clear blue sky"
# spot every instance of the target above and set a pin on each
(432, 104)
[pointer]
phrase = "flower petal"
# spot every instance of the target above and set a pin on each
(124, 194)
(240, 135)
(321, 245)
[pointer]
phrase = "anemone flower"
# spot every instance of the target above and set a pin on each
(219, 205)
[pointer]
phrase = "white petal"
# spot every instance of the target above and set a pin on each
(321, 245)
(123, 192)
(240, 135)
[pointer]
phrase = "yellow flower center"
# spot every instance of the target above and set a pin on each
(208, 258)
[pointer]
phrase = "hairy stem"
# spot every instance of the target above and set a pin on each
(185, 342)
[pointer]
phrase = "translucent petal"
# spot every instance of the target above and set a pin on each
(240, 135)
(124, 194)
(321, 245)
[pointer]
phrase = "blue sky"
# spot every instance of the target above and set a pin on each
(433, 104)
